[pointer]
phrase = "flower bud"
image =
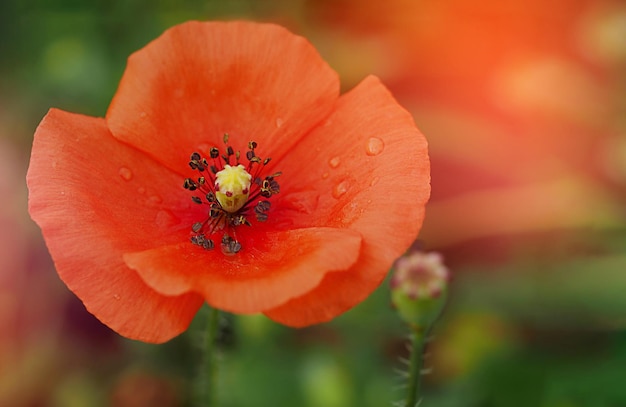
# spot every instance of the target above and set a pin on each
(419, 287)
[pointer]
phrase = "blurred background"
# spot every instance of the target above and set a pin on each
(523, 103)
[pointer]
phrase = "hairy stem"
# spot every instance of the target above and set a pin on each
(418, 340)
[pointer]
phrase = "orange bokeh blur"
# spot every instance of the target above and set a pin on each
(519, 102)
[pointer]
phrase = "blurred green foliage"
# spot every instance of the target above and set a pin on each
(544, 327)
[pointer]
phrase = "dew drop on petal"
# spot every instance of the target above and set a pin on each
(125, 173)
(204, 148)
(165, 219)
(155, 199)
(116, 296)
(374, 181)
(340, 189)
(334, 162)
(279, 122)
(141, 190)
(374, 146)
(325, 175)
(302, 201)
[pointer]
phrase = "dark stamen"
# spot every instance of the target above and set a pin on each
(260, 209)
(230, 245)
(190, 184)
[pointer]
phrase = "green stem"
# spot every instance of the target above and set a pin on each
(211, 347)
(418, 340)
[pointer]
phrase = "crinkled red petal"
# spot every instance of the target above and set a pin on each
(94, 199)
(365, 169)
(199, 80)
(280, 266)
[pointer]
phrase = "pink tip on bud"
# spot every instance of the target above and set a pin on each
(420, 275)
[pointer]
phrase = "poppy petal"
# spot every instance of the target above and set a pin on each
(375, 175)
(287, 264)
(200, 80)
(84, 185)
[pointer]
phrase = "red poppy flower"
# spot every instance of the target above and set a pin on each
(143, 253)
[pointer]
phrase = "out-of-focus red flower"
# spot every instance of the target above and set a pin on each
(143, 253)
(521, 103)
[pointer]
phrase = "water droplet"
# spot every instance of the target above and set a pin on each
(165, 219)
(125, 173)
(141, 190)
(374, 146)
(155, 199)
(116, 296)
(62, 192)
(340, 189)
(302, 201)
(204, 148)
(279, 122)
(325, 175)
(374, 181)
(334, 162)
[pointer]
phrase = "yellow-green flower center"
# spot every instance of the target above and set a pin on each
(232, 187)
